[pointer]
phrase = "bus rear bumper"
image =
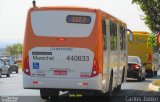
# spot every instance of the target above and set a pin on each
(94, 83)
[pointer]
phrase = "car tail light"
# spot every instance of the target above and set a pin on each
(135, 66)
(95, 70)
(149, 59)
(26, 66)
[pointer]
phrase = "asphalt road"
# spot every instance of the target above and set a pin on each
(11, 90)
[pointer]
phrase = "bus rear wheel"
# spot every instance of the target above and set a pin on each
(118, 88)
(49, 94)
(54, 95)
(110, 91)
(43, 94)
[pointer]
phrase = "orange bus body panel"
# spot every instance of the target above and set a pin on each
(88, 42)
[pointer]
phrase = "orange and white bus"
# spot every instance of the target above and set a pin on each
(73, 49)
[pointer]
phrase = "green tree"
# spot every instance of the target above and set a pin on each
(152, 40)
(151, 9)
(18, 48)
(10, 51)
(14, 50)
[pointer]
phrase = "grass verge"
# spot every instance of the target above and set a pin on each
(157, 82)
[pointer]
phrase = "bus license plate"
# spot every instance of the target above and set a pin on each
(60, 72)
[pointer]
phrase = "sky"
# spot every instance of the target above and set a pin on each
(13, 15)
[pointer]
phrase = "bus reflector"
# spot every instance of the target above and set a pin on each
(95, 70)
(26, 66)
(35, 82)
(85, 84)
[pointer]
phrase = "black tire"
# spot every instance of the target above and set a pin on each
(54, 95)
(8, 73)
(110, 92)
(123, 75)
(43, 94)
(49, 94)
(155, 73)
(144, 78)
(140, 76)
(0, 73)
(118, 89)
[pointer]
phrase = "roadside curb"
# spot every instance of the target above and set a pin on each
(154, 87)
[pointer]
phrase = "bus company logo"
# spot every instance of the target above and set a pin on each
(35, 65)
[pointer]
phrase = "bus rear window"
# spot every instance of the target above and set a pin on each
(62, 23)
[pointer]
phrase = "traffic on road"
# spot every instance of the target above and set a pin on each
(12, 89)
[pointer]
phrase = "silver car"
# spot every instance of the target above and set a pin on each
(4, 69)
(11, 63)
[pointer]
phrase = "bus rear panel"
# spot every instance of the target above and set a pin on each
(60, 50)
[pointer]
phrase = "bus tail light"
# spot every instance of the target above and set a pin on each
(149, 59)
(95, 70)
(26, 66)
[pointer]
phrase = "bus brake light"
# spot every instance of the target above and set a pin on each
(95, 70)
(149, 59)
(26, 66)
